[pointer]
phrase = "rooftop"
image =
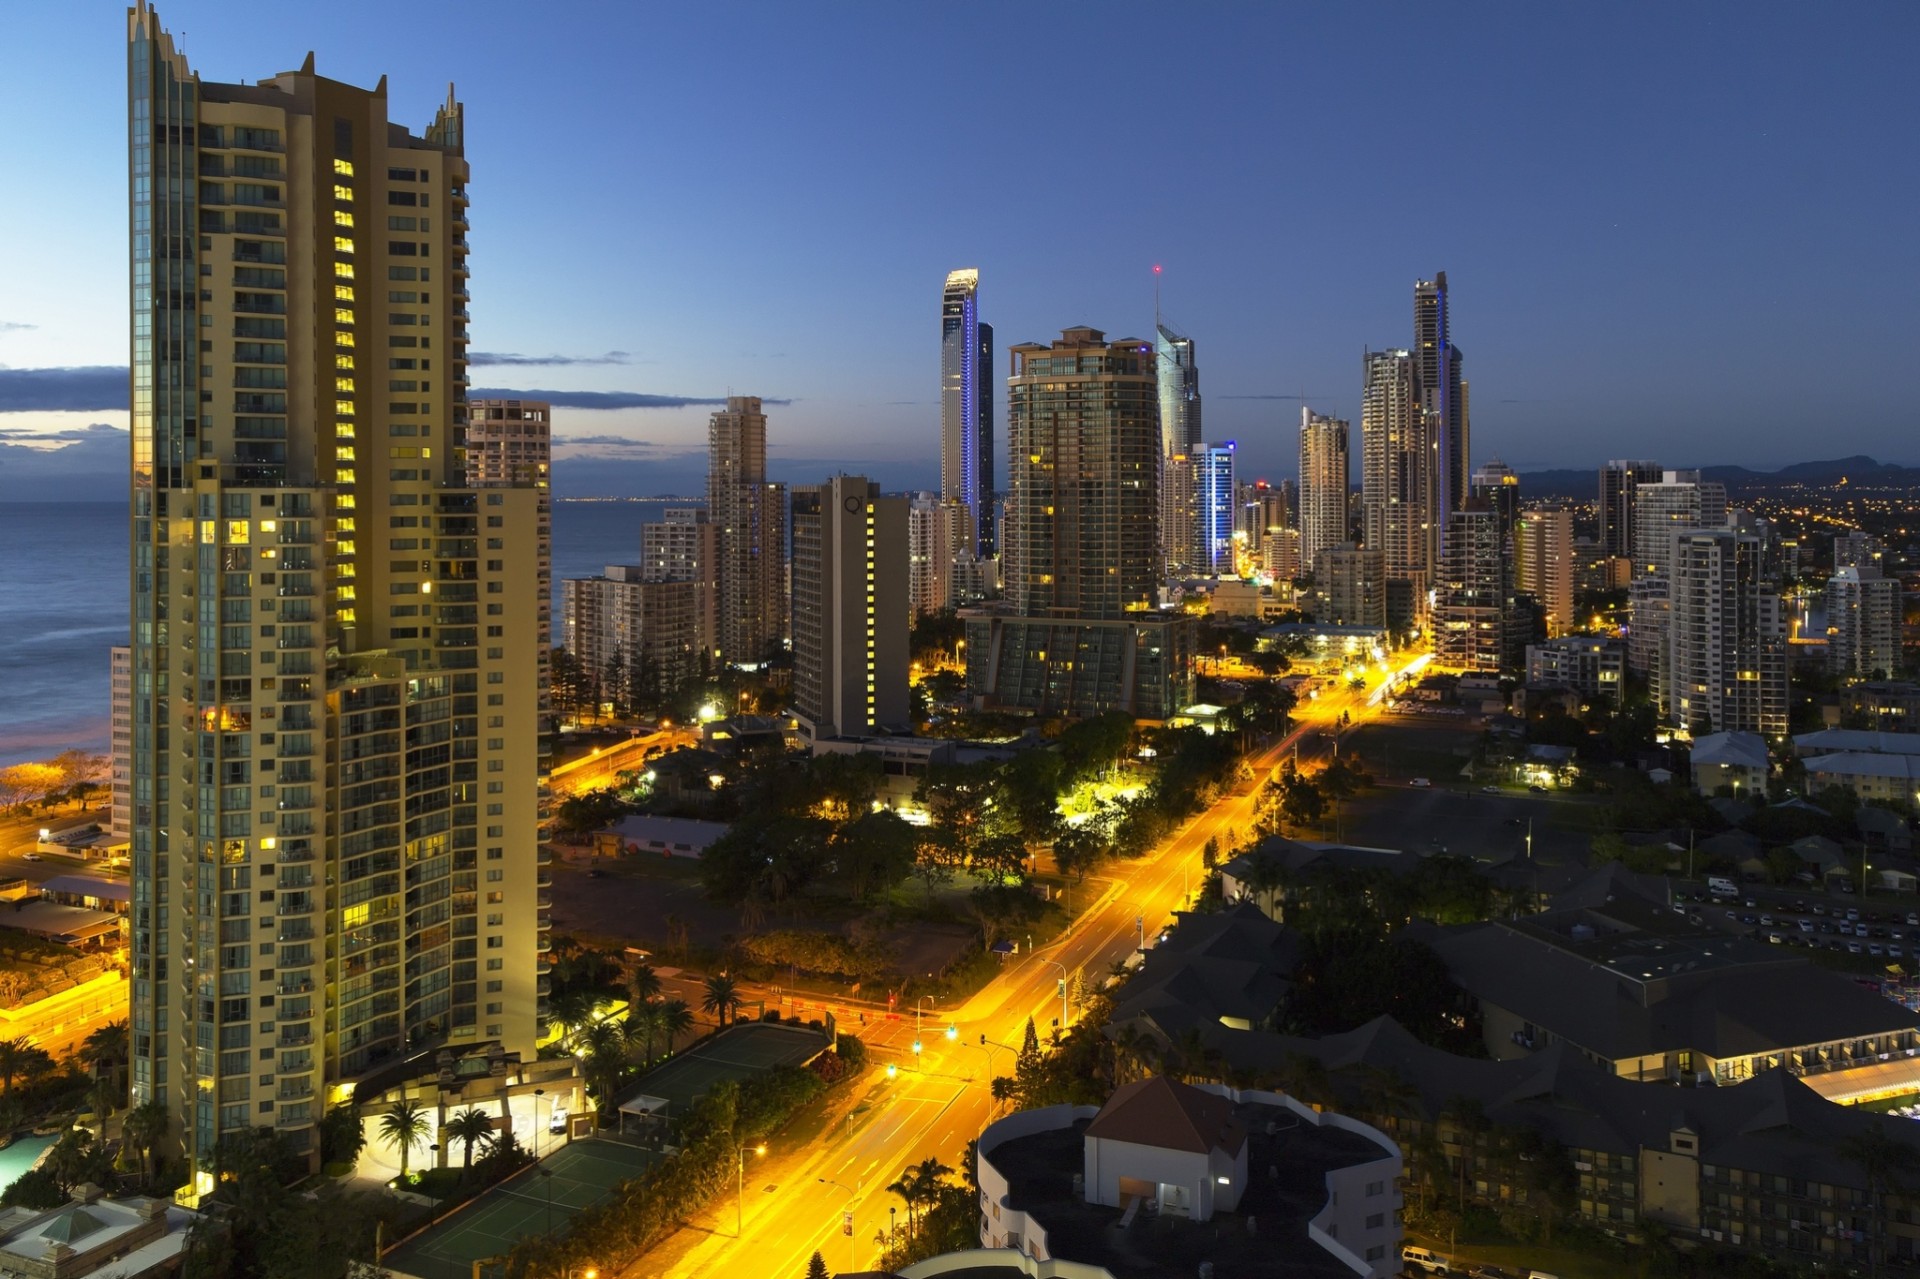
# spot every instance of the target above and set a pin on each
(1842, 740)
(1287, 1162)
(1169, 1115)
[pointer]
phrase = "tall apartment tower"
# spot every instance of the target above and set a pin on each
(1182, 472)
(1180, 514)
(120, 746)
(1077, 631)
(1864, 612)
(1352, 582)
(1474, 614)
(510, 444)
(1618, 479)
(1325, 482)
(1495, 484)
(1399, 469)
(849, 609)
(328, 747)
(1724, 664)
(751, 518)
(1443, 397)
(1179, 380)
(929, 555)
(966, 412)
(1544, 562)
(1678, 500)
(1215, 507)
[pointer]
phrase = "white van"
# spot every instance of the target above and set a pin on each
(1721, 886)
(1540, 1274)
(1425, 1259)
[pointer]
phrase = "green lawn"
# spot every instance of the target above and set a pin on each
(1519, 1258)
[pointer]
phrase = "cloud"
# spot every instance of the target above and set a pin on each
(14, 326)
(605, 399)
(1264, 397)
(90, 388)
(66, 435)
(601, 441)
(531, 361)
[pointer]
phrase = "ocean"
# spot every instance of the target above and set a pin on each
(63, 604)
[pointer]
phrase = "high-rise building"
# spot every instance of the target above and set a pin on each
(680, 597)
(751, 515)
(1443, 397)
(510, 444)
(930, 522)
(1325, 482)
(1544, 563)
(1679, 500)
(1591, 664)
(635, 636)
(1859, 549)
(1723, 667)
(1474, 613)
(1399, 475)
(1618, 479)
(1214, 507)
(1495, 484)
(120, 743)
(327, 746)
(966, 412)
(1280, 553)
(1077, 631)
(1863, 621)
(683, 545)
(1179, 382)
(1352, 581)
(850, 625)
(1180, 514)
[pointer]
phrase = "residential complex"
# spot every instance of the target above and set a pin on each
(1214, 508)
(1543, 563)
(334, 754)
(1443, 399)
(1591, 665)
(751, 515)
(1352, 582)
(1399, 470)
(1475, 622)
(930, 536)
(1078, 630)
(1618, 481)
(849, 609)
(1721, 659)
(1864, 613)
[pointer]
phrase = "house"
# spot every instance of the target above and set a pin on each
(1882, 828)
(1737, 761)
(1742, 848)
(1820, 857)
(1169, 1142)
(1119, 1190)
(1232, 967)
(644, 833)
(94, 1234)
(1279, 869)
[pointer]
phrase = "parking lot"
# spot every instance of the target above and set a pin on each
(1870, 930)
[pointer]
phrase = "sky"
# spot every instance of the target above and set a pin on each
(1683, 232)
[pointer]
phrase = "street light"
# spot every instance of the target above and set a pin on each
(740, 1185)
(1063, 991)
(538, 1093)
(546, 1179)
(853, 1262)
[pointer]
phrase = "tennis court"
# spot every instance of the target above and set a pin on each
(739, 1052)
(576, 1176)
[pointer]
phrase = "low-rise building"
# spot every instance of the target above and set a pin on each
(1734, 760)
(1126, 1187)
(642, 834)
(94, 1235)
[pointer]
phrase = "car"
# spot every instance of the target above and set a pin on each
(1818, 909)
(1491, 1272)
(1827, 928)
(1749, 919)
(1896, 951)
(1777, 939)
(1766, 921)
(1834, 943)
(1913, 920)
(1799, 906)
(1853, 914)
(1420, 783)
(1806, 925)
(1536, 789)
(1732, 915)
(1489, 790)
(594, 872)
(1875, 948)
(1414, 1257)
(1855, 948)
(32, 856)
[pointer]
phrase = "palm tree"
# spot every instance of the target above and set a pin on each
(403, 1126)
(468, 1127)
(105, 1049)
(646, 984)
(907, 1186)
(676, 1019)
(644, 1021)
(144, 1128)
(604, 1045)
(569, 1009)
(13, 1061)
(722, 998)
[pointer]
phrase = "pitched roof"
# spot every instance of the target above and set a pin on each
(1168, 1115)
(1743, 750)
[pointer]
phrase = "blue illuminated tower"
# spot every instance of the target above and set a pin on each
(966, 411)
(1214, 505)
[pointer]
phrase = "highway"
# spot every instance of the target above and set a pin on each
(601, 766)
(937, 1104)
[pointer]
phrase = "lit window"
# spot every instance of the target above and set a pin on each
(343, 193)
(345, 592)
(345, 502)
(341, 315)
(342, 293)
(341, 337)
(343, 270)
(346, 616)
(343, 168)
(344, 385)
(342, 218)
(341, 244)
(344, 454)
(343, 362)
(343, 476)
(343, 431)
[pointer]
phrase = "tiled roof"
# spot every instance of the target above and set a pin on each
(1168, 1115)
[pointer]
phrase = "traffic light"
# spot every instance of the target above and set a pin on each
(1060, 988)
(983, 1037)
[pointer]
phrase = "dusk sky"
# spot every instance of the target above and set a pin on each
(1676, 231)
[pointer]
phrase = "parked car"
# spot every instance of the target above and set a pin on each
(1420, 783)
(1425, 1259)
(1536, 789)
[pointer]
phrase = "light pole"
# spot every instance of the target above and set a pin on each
(1063, 991)
(546, 1179)
(853, 1262)
(538, 1093)
(918, 1005)
(740, 1185)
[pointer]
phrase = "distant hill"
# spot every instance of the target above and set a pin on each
(1861, 470)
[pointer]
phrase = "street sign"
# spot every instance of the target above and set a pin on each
(846, 1224)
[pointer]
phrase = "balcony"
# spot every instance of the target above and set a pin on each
(295, 988)
(296, 1037)
(295, 1090)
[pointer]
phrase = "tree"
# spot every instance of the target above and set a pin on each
(341, 1136)
(104, 1051)
(817, 1267)
(604, 1046)
(874, 851)
(20, 1058)
(645, 983)
(404, 1125)
(722, 998)
(676, 1019)
(76, 1157)
(146, 1127)
(644, 1022)
(468, 1127)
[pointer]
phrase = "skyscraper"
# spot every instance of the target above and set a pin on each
(1495, 484)
(1863, 621)
(1214, 507)
(1077, 631)
(849, 608)
(1474, 613)
(1442, 396)
(1543, 561)
(966, 411)
(1723, 665)
(327, 746)
(1179, 382)
(1180, 514)
(120, 750)
(1399, 493)
(1618, 479)
(1353, 585)
(929, 555)
(1325, 481)
(752, 520)
(1679, 500)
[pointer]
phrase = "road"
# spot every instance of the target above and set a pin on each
(941, 1099)
(602, 766)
